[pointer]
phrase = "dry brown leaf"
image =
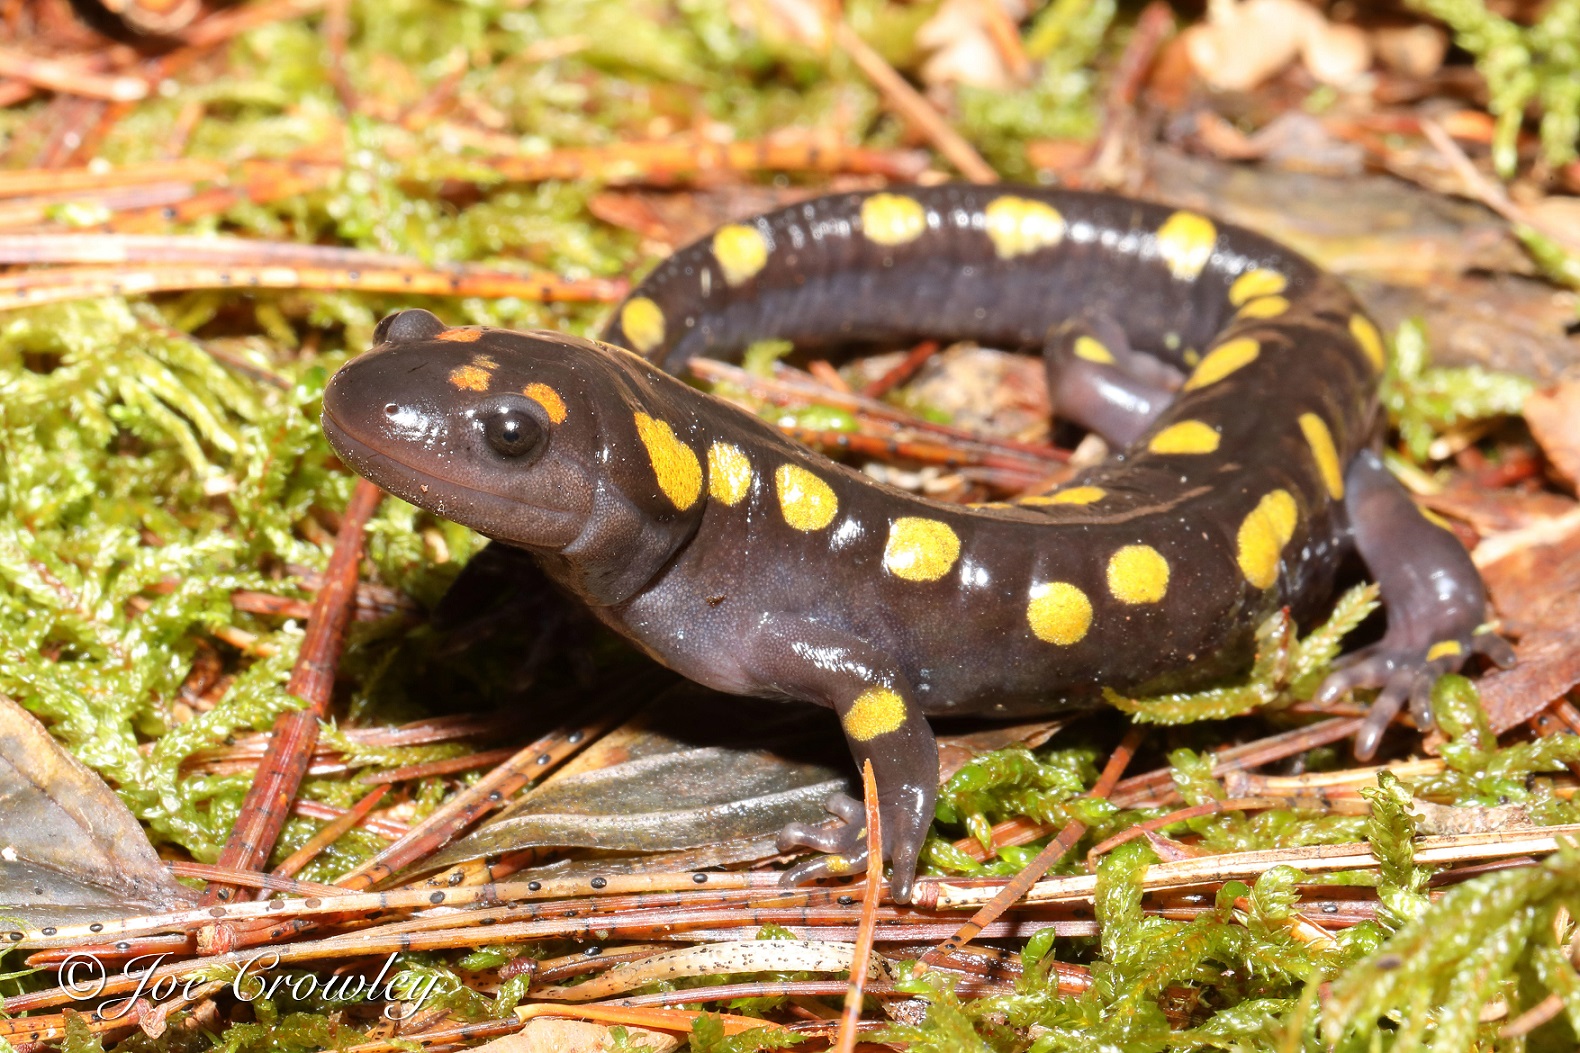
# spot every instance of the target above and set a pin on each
(956, 751)
(1554, 418)
(1535, 586)
(69, 849)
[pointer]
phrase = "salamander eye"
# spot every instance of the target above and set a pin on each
(513, 431)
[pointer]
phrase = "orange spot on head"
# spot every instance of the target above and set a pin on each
(469, 378)
(549, 399)
(461, 336)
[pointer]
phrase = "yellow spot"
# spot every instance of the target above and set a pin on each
(1444, 649)
(1191, 356)
(920, 549)
(1223, 360)
(1321, 443)
(741, 251)
(549, 399)
(1435, 519)
(1265, 307)
(1080, 495)
(1185, 241)
(1092, 349)
(1366, 335)
(876, 711)
(1059, 613)
(836, 864)
(470, 378)
(1188, 436)
(676, 467)
(461, 336)
(1075, 495)
(1260, 282)
(988, 504)
(1262, 536)
(1018, 226)
(892, 219)
(1282, 513)
(729, 473)
(1138, 574)
(806, 502)
(643, 323)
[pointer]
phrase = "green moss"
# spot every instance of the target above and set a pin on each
(1424, 400)
(1060, 104)
(1523, 65)
(1435, 975)
(707, 1036)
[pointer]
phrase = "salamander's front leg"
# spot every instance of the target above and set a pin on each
(1098, 382)
(883, 725)
(1434, 598)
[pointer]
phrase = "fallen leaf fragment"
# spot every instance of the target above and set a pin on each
(548, 1035)
(70, 851)
(731, 956)
(1535, 585)
(1280, 30)
(634, 1016)
(1554, 419)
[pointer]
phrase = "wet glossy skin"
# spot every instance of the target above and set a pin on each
(750, 564)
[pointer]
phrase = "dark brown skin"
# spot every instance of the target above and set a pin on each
(752, 565)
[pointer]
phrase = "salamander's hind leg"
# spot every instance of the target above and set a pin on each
(1433, 595)
(1098, 382)
(882, 724)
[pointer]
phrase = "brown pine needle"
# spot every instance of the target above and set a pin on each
(329, 834)
(909, 104)
(850, 1020)
(268, 800)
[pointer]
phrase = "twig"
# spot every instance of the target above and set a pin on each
(280, 774)
(330, 834)
(861, 954)
(910, 104)
(70, 78)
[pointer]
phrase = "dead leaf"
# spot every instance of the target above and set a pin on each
(69, 849)
(1448, 820)
(1546, 664)
(956, 751)
(692, 771)
(1554, 418)
(1534, 580)
(708, 959)
(1533, 569)
(548, 1035)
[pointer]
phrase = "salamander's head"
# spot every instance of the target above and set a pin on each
(530, 438)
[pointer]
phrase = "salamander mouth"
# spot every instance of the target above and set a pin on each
(488, 513)
(389, 473)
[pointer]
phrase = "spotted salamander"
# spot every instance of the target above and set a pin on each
(1236, 379)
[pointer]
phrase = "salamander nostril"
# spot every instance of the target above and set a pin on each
(390, 409)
